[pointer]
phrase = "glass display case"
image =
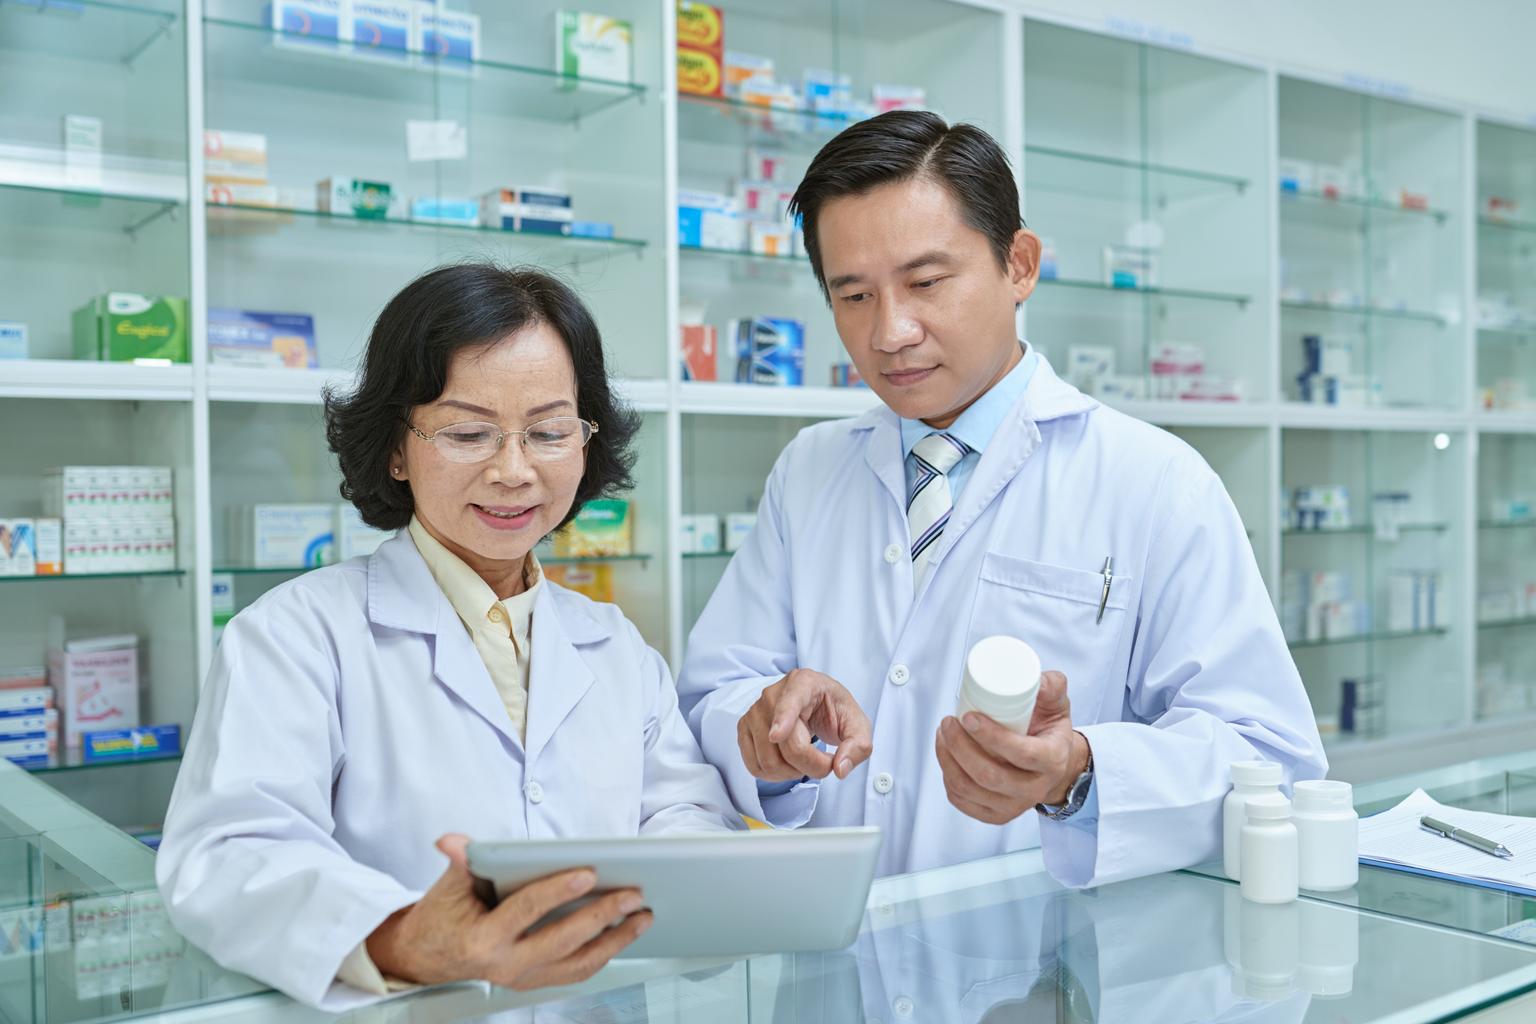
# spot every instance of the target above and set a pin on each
(1506, 576)
(1143, 172)
(1373, 582)
(1506, 268)
(1371, 304)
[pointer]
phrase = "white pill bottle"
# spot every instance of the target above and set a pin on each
(1269, 850)
(1249, 778)
(1328, 831)
(1002, 679)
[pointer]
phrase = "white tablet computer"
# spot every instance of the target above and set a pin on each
(713, 893)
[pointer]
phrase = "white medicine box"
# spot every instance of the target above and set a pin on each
(97, 683)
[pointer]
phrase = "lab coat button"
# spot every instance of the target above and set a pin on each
(899, 675)
(534, 792)
(893, 554)
(884, 783)
(903, 1006)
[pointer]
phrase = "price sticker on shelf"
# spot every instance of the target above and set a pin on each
(436, 140)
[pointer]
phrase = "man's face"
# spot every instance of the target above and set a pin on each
(923, 308)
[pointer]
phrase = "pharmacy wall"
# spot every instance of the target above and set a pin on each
(1301, 239)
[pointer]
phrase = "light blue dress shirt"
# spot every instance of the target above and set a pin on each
(976, 427)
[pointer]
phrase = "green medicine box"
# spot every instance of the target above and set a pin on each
(124, 326)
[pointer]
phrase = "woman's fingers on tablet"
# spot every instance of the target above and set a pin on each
(588, 959)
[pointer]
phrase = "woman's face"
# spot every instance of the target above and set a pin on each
(492, 513)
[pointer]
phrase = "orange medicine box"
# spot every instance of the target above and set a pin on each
(700, 49)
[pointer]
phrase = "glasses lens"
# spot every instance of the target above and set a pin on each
(558, 437)
(468, 442)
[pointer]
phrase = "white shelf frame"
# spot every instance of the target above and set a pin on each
(201, 384)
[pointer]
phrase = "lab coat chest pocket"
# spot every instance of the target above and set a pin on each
(1055, 609)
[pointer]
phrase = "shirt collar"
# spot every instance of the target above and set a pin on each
(469, 595)
(976, 426)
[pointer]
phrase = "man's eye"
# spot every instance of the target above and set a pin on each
(856, 298)
(929, 283)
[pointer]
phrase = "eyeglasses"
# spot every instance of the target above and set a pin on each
(545, 441)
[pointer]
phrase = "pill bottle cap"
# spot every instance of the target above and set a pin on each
(1257, 773)
(1268, 807)
(1324, 795)
(1002, 676)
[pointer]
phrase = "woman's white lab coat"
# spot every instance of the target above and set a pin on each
(349, 721)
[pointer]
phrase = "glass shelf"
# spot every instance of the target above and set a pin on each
(690, 555)
(158, 574)
(74, 209)
(1524, 620)
(235, 217)
(1357, 531)
(1322, 208)
(1366, 638)
(734, 123)
(1512, 331)
(1169, 293)
(1062, 170)
(257, 53)
(1508, 225)
(1497, 524)
(73, 760)
(742, 254)
(1365, 311)
(596, 560)
(92, 29)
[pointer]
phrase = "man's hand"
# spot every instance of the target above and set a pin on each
(775, 733)
(994, 775)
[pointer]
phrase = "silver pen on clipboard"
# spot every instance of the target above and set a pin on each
(1489, 846)
(1109, 576)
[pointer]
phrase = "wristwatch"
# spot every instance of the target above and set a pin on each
(1076, 796)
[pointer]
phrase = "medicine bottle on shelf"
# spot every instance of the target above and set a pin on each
(1002, 679)
(1269, 850)
(1327, 834)
(1249, 778)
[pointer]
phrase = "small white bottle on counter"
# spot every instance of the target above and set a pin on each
(1249, 778)
(1269, 850)
(1327, 834)
(1002, 679)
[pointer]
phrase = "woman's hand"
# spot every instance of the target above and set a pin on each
(450, 935)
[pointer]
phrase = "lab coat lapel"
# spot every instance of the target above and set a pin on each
(403, 595)
(559, 675)
(1048, 397)
(882, 452)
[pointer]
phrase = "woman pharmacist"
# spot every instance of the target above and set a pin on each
(361, 721)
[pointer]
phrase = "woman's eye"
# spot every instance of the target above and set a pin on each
(469, 436)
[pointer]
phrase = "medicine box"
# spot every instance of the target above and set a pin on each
(97, 682)
(310, 23)
(127, 326)
(701, 352)
(455, 212)
(354, 197)
(384, 29)
(538, 210)
(285, 536)
(117, 744)
(741, 68)
(13, 339)
(604, 528)
(699, 534)
(594, 581)
(18, 547)
(234, 158)
(593, 46)
(454, 35)
(769, 350)
(239, 337)
(700, 49)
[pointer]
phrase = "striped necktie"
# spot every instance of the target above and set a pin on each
(929, 504)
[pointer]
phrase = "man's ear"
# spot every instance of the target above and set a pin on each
(1024, 263)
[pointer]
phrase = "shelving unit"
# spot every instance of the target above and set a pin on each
(1105, 132)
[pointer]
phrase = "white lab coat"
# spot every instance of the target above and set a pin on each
(348, 722)
(1187, 672)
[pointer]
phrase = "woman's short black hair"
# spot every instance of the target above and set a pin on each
(456, 307)
(900, 145)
